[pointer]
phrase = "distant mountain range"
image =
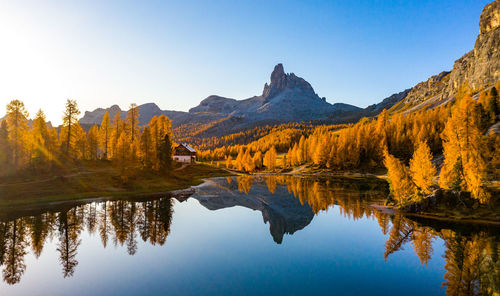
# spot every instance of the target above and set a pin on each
(286, 98)
(289, 98)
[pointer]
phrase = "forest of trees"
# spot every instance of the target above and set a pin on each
(35, 144)
(410, 146)
(405, 144)
(189, 133)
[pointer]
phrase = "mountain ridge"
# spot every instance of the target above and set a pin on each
(286, 98)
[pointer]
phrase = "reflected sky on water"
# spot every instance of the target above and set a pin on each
(267, 235)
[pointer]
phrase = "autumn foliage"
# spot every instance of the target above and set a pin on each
(403, 143)
(465, 151)
(40, 146)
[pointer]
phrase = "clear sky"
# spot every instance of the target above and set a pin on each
(177, 53)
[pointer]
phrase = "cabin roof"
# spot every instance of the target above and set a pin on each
(186, 146)
(191, 149)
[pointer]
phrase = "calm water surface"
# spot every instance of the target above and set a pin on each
(245, 236)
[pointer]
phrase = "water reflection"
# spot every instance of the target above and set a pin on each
(472, 264)
(119, 221)
(288, 203)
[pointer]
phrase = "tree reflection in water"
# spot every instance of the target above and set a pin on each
(471, 255)
(121, 220)
(472, 264)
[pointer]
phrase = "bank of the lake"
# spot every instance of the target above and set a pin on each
(98, 180)
(454, 209)
(101, 181)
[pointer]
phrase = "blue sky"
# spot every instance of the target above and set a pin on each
(177, 53)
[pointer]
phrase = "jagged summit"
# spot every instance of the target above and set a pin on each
(280, 81)
(286, 98)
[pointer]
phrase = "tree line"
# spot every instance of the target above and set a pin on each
(404, 144)
(471, 157)
(37, 145)
(193, 133)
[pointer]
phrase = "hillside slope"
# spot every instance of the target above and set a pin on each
(479, 68)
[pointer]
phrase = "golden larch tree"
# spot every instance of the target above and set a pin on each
(422, 169)
(17, 123)
(146, 149)
(270, 158)
(132, 122)
(122, 156)
(105, 134)
(257, 159)
(5, 151)
(400, 182)
(465, 153)
(117, 128)
(40, 138)
(93, 143)
(70, 118)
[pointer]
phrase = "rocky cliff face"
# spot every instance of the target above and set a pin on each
(490, 18)
(427, 89)
(386, 103)
(479, 68)
(286, 98)
(281, 82)
(215, 104)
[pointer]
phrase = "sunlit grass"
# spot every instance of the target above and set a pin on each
(97, 179)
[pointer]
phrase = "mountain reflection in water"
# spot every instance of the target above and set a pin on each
(288, 203)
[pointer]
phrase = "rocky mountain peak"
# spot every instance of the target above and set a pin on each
(215, 104)
(150, 107)
(281, 81)
(286, 98)
(277, 84)
(278, 74)
(490, 17)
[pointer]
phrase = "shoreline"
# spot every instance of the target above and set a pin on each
(19, 210)
(184, 190)
(436, 215)
(98, 184)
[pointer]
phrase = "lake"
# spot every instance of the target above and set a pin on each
(265, 235)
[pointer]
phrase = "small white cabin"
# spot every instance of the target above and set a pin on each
(184, 153)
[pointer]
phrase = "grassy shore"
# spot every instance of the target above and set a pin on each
(97, 179)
